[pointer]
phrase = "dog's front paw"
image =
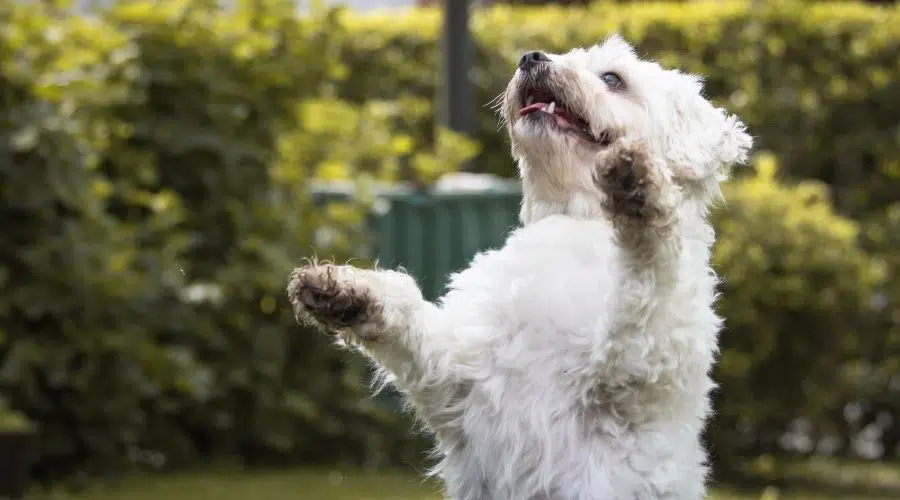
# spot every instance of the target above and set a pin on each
(633, 186)
(336, 297)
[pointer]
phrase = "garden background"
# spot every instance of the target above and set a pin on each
(156, 165)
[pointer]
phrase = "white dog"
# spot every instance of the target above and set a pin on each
(573, 363)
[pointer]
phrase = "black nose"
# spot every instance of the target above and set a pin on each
(531, 58)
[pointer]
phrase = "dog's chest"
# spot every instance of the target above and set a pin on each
(522, 435)
(532, 431)
(511, 433)
(528, 441)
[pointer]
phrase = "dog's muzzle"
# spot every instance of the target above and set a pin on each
(541, 92)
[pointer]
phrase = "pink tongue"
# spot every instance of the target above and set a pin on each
(534, 107)
(541, 106)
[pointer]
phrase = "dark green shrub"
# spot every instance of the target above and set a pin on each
(815, 82)
(154, 170)
(154, 198)
(796, 294)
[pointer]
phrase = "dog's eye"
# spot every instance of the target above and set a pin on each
(612, 80)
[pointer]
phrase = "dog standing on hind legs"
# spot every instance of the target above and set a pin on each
(572, 363)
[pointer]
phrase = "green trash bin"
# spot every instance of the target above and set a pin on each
(432, 235)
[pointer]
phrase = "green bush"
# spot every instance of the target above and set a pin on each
(154, 198)
(877, 374)
(796, 294)
(154, 162)
(815, 82)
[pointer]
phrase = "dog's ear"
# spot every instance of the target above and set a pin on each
(706, 141)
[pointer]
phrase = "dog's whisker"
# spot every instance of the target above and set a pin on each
(496, 101)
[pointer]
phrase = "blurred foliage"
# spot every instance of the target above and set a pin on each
(797, 295)
(541, 2)
(12, 421)
(815, 82)
(153, 177)
(154, 160)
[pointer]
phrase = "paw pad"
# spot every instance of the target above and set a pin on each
(623, 173)
(315, 291)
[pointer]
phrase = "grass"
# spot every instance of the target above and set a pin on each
(280, 485)
(358, 485)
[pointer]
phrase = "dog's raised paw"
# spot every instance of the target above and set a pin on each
(624, 173)
(319, 293)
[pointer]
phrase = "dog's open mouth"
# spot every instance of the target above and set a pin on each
(542, 100)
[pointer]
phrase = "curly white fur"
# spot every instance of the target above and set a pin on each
(573, 363)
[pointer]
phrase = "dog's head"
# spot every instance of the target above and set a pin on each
(562, 109)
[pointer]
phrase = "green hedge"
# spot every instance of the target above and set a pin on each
(816, 83)
(153, 178)
(153, 198)
(797, 298)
